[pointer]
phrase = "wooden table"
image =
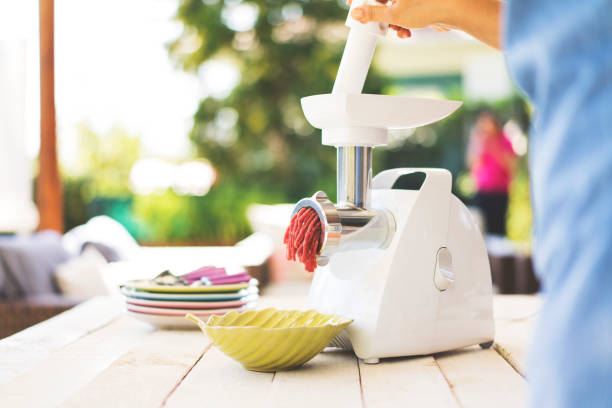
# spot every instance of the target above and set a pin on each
(95, 355)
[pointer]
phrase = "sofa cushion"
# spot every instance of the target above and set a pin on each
(81, 276)
(27, 263)
(103, 231)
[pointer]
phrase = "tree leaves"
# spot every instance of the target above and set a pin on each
(282, 59)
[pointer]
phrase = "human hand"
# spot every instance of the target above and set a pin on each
(479, 18)
(401, 14)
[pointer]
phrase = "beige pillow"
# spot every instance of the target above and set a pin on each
(81, 276)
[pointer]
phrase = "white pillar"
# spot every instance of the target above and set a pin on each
(17, 211)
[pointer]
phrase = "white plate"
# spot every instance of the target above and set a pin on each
(175, 322)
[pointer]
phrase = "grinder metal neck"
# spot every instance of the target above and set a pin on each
(354, 176)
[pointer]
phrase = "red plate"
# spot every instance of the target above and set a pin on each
(166, 304)
(158, 311)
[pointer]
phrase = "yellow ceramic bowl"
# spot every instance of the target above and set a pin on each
(271, 339)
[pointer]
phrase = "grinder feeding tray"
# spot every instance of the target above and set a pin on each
(399, 254)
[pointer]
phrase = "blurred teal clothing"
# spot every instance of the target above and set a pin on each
(560, 53)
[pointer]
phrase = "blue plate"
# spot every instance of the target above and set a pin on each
(201, 297)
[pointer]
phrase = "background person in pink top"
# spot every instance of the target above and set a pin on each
(492, 162)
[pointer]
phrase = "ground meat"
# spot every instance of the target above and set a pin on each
(303, 238)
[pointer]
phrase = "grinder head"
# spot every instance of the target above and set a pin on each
(330, 221)
(348, 228)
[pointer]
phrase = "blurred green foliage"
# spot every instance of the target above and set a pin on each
(292, 50)
(219, 217)
(99, 183)
(105, 161)
(282, 59)
(444, 143)
(257, 138)
(519, 220)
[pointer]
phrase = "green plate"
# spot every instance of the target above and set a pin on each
(148, 286)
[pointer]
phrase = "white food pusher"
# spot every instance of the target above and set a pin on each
(401, 255)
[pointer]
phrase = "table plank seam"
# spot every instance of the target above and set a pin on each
(180, 381)
(505, 354)
(363, 404)
(519, 319)
(92, 331)
(451, 387)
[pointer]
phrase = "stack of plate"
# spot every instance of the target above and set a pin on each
(165, 300)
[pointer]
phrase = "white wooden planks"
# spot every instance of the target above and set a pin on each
(145, 375)
(405, 382)
(22, 350)
(53, 380)
(482, 378)
(79, 359)
(516, 307)
(331, 379)
(515, 316)
(218, 381)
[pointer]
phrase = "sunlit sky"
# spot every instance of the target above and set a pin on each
(112, 69)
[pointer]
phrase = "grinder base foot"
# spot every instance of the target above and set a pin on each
(486, 345)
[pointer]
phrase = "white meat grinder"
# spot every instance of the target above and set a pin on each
(401, 255)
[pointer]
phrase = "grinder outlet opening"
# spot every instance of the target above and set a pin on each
(304, 238)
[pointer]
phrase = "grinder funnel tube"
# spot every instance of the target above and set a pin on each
(358, 52)
(355, 62)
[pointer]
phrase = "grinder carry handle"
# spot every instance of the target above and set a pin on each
(436, 180)
(432, 203)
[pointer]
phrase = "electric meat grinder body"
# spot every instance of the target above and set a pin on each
(428, 291)
(408, 265)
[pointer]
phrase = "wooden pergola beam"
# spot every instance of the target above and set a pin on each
(49, 186)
